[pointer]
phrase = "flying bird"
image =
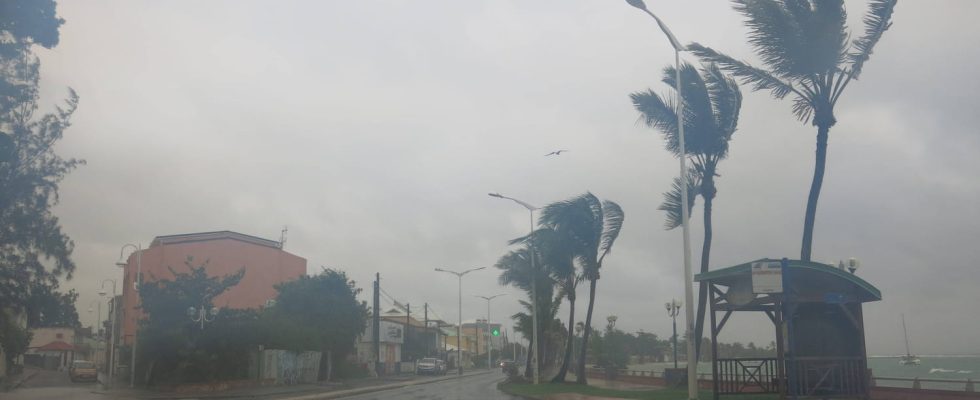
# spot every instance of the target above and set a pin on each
(555, 153)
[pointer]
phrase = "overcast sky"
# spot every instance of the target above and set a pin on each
(374, 130)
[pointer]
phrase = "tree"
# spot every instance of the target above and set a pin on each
(34, 252)
(712, 102)
(807, 52)
(326, 305)
(592, 227)
(172, 347)
(516, 271)
(48, 307)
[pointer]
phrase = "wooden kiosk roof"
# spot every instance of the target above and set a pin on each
(818, 274)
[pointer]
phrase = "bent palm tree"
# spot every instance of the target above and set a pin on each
(516, 271)
(712, 102)
(591, 227)
(806, 49)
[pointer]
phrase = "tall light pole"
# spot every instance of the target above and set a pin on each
(692, 363)
(534, 285)
(112, 336)
(98, 329)
(459, 328)
(674, 308)
(489, 336)
(137, 282)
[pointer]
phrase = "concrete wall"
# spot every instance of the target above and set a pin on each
(43, 336)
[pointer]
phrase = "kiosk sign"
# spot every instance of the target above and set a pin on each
(767, 277)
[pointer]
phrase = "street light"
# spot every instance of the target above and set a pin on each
(459, 332)
(692, 384)
(673, 308)
(137, 282)
(489, 337)
(534, 286)
(202, 315)
(112, 335)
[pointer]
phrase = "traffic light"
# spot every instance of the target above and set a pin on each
(495, 332)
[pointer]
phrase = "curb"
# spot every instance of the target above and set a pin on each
(380, 388)
(512, 394)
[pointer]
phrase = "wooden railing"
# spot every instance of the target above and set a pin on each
(747, 375)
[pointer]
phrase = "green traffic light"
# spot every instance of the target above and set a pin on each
(495, 332)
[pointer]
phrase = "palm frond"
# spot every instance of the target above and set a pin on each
(775, 34)
(759, 79)
(672, 200)
(699, 125)
(726, 100)
(612, 217)
(803, 109)
(876, 23)
(659, 113)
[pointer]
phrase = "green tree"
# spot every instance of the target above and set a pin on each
(712, 102)
(326, 306)
(592, 226)
(172, 347)
(516, 271)
(48, 307)
(808, 53)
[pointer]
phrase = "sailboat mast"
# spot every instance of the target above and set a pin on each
(908, 352)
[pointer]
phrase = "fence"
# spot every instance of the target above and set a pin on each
(289, 367)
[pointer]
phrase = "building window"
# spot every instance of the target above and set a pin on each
(59, 336)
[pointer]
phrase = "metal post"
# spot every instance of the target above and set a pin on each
(376, 325)
(675, 340)
(459, 328)
(489, 338)
(534, 303)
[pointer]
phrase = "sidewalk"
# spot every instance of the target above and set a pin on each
(323, 390)
(13, 382)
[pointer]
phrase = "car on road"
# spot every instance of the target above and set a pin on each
(82, 370)
(430, 366)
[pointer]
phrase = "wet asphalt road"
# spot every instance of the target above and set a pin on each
(477, 387)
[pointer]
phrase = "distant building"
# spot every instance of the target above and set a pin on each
(266, 265)
(51, 347)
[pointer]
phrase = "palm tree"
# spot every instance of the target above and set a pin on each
(712, 102)
(807, 52)
(591, 227)
(557, 258)
(516, 271)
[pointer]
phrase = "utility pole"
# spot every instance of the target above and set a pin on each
(376, 324)
(425, 335)
(408, 325)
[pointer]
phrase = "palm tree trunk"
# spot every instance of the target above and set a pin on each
(580, 371)
(568, 343)
(527, 362)
(811, 203)
(705, 262)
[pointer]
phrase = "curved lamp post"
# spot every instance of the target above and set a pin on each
(459, 328)
(137, 281)
(202, 314)
(692, 383)
(534, 286)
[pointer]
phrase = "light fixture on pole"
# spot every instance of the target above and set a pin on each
(112, 335)
(489, 336)
(459, 332)
(202, 314)
(692, 384)
(137, 282)
(674, 308)
(534, 285)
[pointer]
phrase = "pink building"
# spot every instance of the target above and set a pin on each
(266, 265)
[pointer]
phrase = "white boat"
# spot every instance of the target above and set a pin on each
(908, 358)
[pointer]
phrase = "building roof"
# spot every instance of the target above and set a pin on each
(217, 235)
(56, 345)
(812, 272)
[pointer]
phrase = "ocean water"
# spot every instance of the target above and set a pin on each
(932, 367)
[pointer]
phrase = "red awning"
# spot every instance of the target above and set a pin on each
(56, 345)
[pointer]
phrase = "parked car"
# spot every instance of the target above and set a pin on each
(82, 370)
(430, 366)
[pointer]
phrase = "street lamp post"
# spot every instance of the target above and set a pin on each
(112, 335)
(137, 282)
(692, 384)
(98, 330)
(673, 308)
(202, 315)
(534, 286)
(459, 328)
(489, 335)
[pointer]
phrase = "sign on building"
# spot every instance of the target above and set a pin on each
(767, 277)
